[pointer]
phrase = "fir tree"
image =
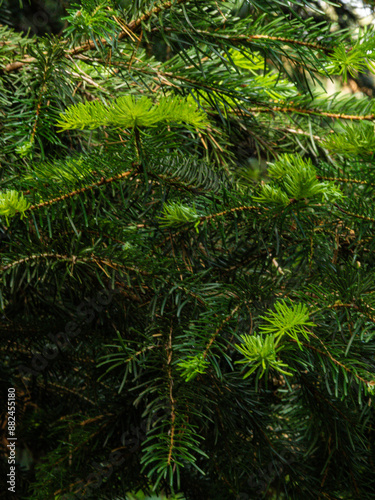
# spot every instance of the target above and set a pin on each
(187, 271)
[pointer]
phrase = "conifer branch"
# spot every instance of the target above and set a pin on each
(348, 181)
(74, 259)
(128, 31)
(76, 192)
(40, 256)
(321, 397)
(248, 38)
(299, 132)
(357, 216)
(302, 111)
(72, 391)
(218, 330)
(326, 353)
(38, 106)
(182, 271)
(172, 400)
(141, 351)
(231, 211)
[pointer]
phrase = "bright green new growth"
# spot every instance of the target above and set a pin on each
(260, 352)
(12, 202)
(191, 366)
(296, 179)
(127, 112)
(273, 195)
(175, 215)
(287, 319)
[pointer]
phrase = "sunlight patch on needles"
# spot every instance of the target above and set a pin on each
(71, 169)
(353, 141)
(97, 21)
(357, 59)
(128, 112)
(252, 61)
(268, 82)
(12, 202)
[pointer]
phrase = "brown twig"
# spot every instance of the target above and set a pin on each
(102, 182)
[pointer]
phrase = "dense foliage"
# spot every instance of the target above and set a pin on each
(187, 270)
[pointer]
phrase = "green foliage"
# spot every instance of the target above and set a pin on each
(297, 179)
(187, 256)
(177, 215)
(287, 320)
(91, 19)
(261, 352)
(353, 141)
(141, 496)
(357, 59)
(192, 366)
(126, 112)
(12, 202)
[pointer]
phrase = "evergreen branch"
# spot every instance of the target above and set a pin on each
(42, 90)
(81, 444)
(204, 218)
(291, 41)
(95, 419)
(321, 396)
(128, 31)
(161, 77)
(169, 350)
(246, 38)
(128, 112)
(72, 391)
(230, 211)
(100, 234)
(102, 182)
(40, 256)
(270, 58)
(327, 353)
(353, 306)
(357, 216)
(134, 25)
(218, 330)
(74, 259)
(280, 109)
(141, 351)
(349, 181)
(300, 132)
(14, 66)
